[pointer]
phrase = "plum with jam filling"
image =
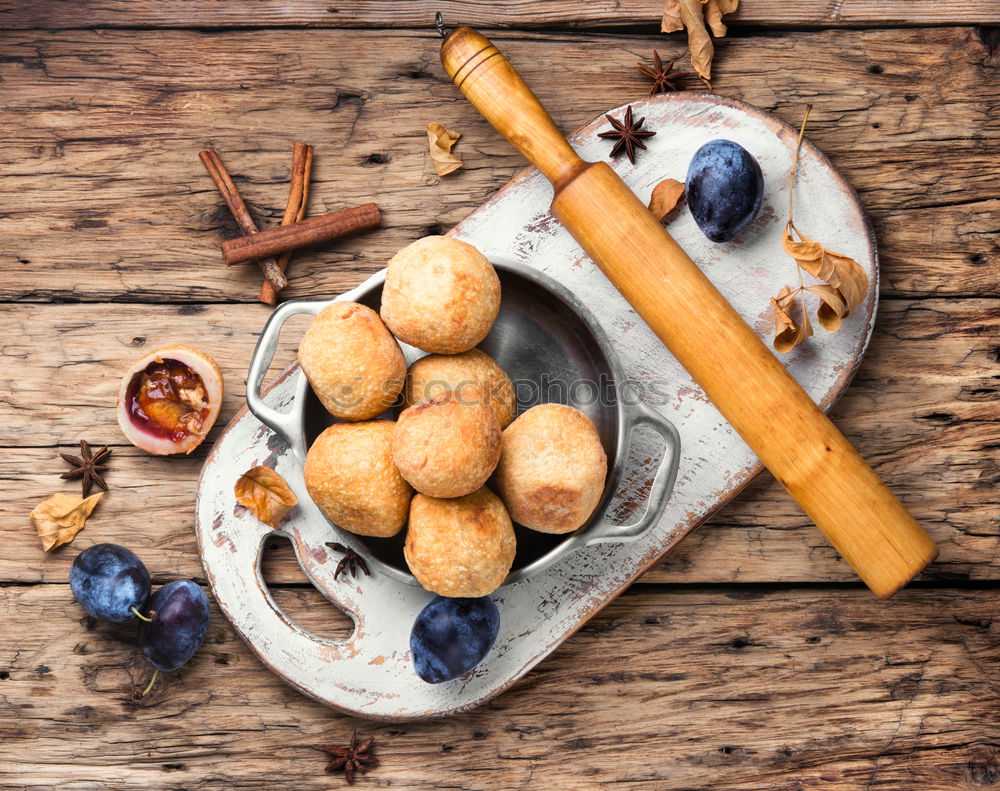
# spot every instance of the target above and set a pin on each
(169, 400)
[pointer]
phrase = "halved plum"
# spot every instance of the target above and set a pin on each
(169, 400)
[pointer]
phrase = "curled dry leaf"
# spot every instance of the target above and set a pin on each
(61, 517)
(698, 16)
(832, 307)
(265, 494)
(791, 321)
(844, 286)
(840, 271)
(666, 198)
(441, 141)
(847, 281)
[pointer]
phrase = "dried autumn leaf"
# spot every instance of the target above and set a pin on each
(671, 21)
(700, 44)
(791, 321)
(832, 307)
(713, 18)
(694, 15)
(714, 11)
(265, 494)
(61, 517)
(441, 141)
(844, 286)
(666, 198)
(838, 271)
(782, 321)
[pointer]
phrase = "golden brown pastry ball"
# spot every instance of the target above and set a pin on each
(448, 446)
(552, 469)
(441, 295)
(438, 373)
(353, 363)
(460, 547)
(351, 477)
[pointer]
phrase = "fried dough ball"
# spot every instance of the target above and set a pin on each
(460, 547)
(440, 295)
(447, 446)
(437, 373)
(353, 363)
(351, 477)
(552, 469)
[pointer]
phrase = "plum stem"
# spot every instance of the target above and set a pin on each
(142, 617)
(152, 681)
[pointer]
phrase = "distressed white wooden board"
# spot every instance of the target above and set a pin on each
(370, 673)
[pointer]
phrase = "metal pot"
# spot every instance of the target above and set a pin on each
(554, 351)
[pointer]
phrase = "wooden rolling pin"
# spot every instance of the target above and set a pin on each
(844, 497)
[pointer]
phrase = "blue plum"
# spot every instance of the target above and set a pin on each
(451, 636)
(109, 580)
(724, 189)
(180, 622)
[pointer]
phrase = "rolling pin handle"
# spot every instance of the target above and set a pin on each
(494, 88)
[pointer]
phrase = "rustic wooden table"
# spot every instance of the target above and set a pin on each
(750, 658)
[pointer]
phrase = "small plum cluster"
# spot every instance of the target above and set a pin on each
(112, 584)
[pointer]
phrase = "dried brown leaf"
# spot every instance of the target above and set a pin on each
(698, 16)
(671, 21)
(853, 279)
(844, 286)
(666, 198)
(832, 307)
(836, 270)
(265, 494)
(699, 42)
(782, 321)
(441, 141)
(791, 321)
(713, 18)
(61, 517)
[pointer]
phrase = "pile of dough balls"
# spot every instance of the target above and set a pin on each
(457, 428)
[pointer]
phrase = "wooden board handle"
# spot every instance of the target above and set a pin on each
(779, 421)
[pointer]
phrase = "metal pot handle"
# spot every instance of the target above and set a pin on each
(286, 424)
(663, 482)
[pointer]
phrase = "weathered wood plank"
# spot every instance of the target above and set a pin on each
(102, 130)
(667, 688)
(509, 13)
(923, 409)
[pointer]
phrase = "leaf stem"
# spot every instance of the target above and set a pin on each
(142, 617)
(795, 162)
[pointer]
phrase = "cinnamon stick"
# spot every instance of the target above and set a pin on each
(224, 182)
(295, 208)
(315, 230)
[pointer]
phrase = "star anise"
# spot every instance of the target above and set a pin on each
(662, 75)
(87, 466)
(628, 134)
(353, 758)
(351, 561)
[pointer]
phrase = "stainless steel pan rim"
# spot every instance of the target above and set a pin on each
(629, 414)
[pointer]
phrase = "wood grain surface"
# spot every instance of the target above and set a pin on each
(669, 687)
(922, 408)
(749, 658)
(510, 13)
(103, 129)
